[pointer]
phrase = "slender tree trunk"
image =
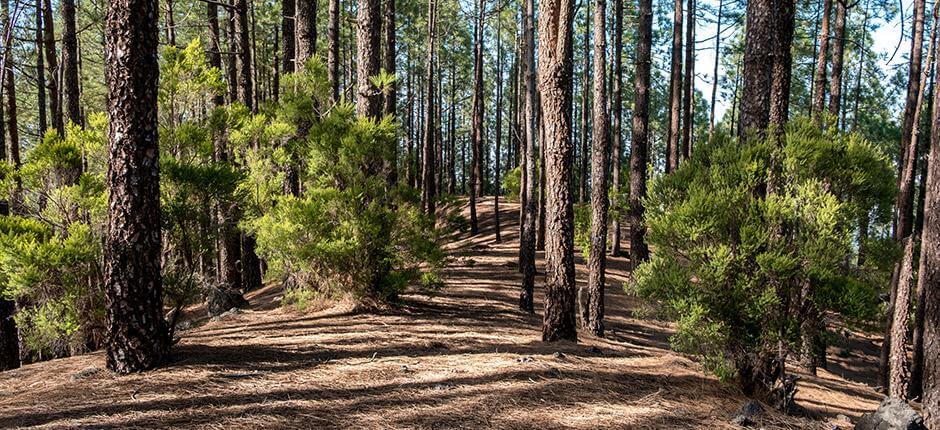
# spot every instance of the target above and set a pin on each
(40, 73)
(597, 259)
(675, 90)
(688, 85)
(822, 56)
(427, 171)
(499, 125)
(905, 202)
(476, 172)
(332, 56)
(616, 119)
(452, 135)
(391, 97)
(585, 110)
(245, 88)
(838, 49)
(711, 116)
(368, 99)
(527, 234)
(555, 52)
(70, 63)
(861, 72)
(137, 332)
(639, 144)
(48, 29)
(9, 89)
(9, 335)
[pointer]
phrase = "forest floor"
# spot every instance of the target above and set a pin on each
(465, 358)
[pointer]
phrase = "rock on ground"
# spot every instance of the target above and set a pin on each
(892, 414)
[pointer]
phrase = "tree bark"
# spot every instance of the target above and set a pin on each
(616, 118)
(499, 126)
(288, 8)
(9, 85)
(427, 170)
(368, 99)
(822, 58)
(675, 90)
(758, 64)
(899, 366)
(305, 26)
(70, 64)
(585, 111)
(137, 333)
(40, 74)
(688, 85)
(245, 89)
(838, 50)
(555, 69)
(908, 162)
(332, 55)
(782, 61)
(476, 171)
(600, 160)
(391, 97)
(48, 30)
(929, 277)
(639, 144)
(527, 234)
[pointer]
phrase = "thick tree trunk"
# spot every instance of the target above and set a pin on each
(48, 30)
(929, 278)
(639, 144)
(428, 198)
(369, 19)
(758, 64)
(600, 160)
(838, 58)
(332, 55)
(288, 8)
(905, 202)
(476, 171)
(137, 332)
(822, 61)
(675, 90)
(70, 63)
(555, 52)
(616, 121)
(527, 234)
(305, 27)
(899, 366)
(782, 60)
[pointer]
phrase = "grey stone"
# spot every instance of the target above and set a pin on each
(220, 300)
(747, 416)
(892, 414)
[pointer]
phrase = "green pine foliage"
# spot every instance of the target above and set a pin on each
(731, 254)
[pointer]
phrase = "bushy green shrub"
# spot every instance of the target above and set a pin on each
(730, 253)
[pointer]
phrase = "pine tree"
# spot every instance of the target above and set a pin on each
(639, 144)
(600, 160)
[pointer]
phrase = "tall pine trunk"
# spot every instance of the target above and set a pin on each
(822, 60)
(616, 121)
(40, 73)
(600, 160)
(476, 170)
(332, 55)
(48, 30)
(555, 52)
(675, 90)
(639, 144)
(70, 63)
(137, 333)
(838, 58)
(688, 85)
(368, 99)
(427, 168)
(527, 234)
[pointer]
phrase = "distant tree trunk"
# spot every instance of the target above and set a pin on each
(427, 170)
(48, 29)
(758, 64)
(861, 72)
(391, 97)
(476, 171)
(245, 93)
(929, 277)
(905, 201)
(40, 73)
(9, 88)
(288, 8)
(819, 75)
(711, 116)
(452, 135)
(137, 333)
(616, 114)
(585, 110)
(597, 259)
(231, 70)
(639, 144)
(369, 18)
(688, 85)
(675, 90)
(305, 22)
(540, 231)
(499, 125)
(555, 52)
(528, 233)
(838, 49)
(332, 55)
(70, 63)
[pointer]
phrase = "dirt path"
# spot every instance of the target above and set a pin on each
(463, 359)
